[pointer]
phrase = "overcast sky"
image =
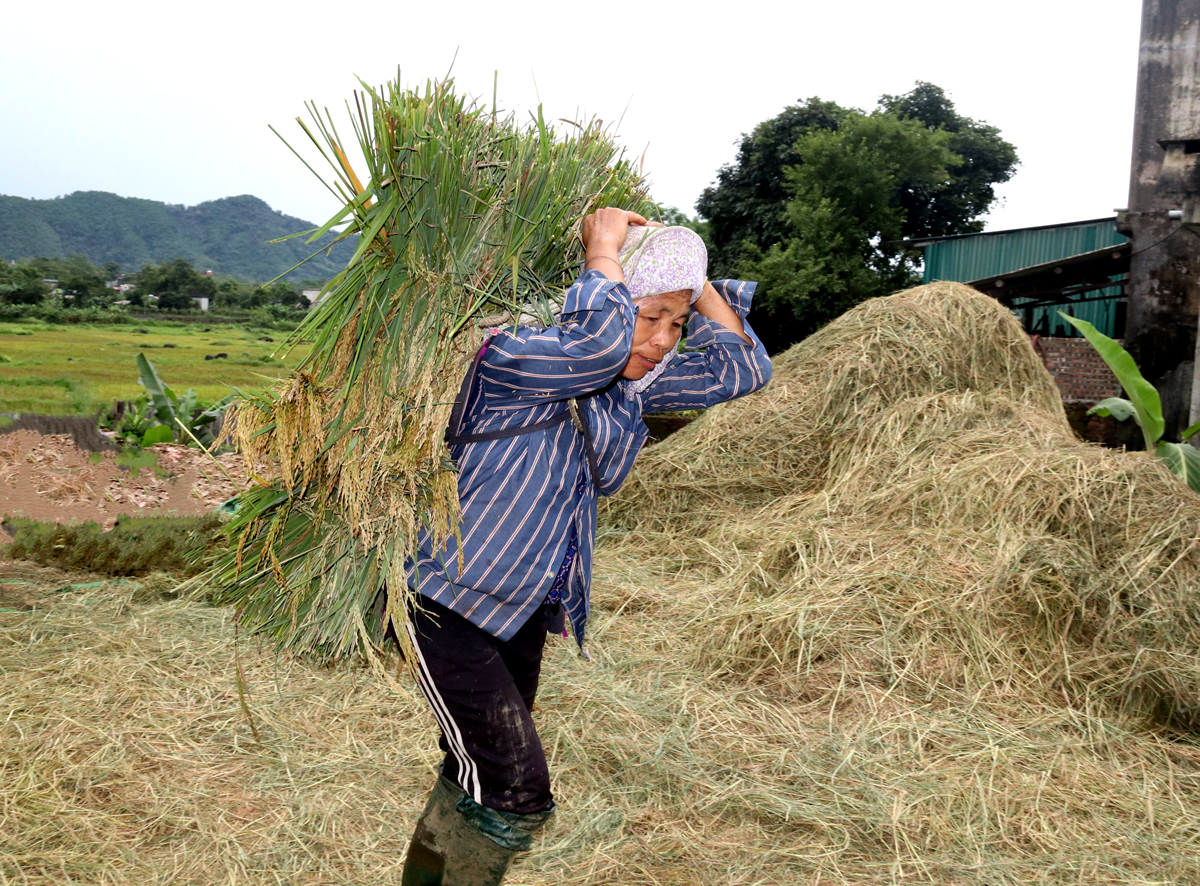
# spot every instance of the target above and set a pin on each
(171, 101)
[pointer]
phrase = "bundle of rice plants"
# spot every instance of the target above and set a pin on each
(461, 214)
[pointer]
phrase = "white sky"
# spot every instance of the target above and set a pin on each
(171, 101)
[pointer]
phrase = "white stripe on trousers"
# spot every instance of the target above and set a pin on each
(466, 766)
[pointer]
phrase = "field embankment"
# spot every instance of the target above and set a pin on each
(51, 479)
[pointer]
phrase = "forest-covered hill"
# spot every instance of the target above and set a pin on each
(229, 236)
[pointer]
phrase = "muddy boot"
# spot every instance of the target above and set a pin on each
(460, 843)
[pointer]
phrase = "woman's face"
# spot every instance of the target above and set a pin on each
(656, 332)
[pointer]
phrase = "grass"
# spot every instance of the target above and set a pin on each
(129, 730)
(134, 546)
(137, 460)
(77, 370)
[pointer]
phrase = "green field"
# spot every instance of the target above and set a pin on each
(77, 370)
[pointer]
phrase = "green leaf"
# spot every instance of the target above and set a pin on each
(160, 394)
(1191, 432)
(186, 406)
(157, 434)
(543, 137)
(1183, 459)
(1116, 407)
(1143, 395)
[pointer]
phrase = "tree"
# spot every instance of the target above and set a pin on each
(175, 283)
(846, 219)
(749, 200)
(83, 289)
(822, 240)
(23, 286)
(671, 215)
(80, 281)
(279, 293)
(987, 160)
(233, 293)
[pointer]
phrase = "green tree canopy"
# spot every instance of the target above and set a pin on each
(748, 202)
(175, 283)
(22, 285)
(820, 198)
(846, 220)
(986, 160)
(82, 283)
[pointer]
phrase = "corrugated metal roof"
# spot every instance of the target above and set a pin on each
(1087, 221)
(974, 256)
(978, 256)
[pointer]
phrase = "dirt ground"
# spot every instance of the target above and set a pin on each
(50, 478)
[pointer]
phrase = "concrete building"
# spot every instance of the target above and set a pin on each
(1163, 215)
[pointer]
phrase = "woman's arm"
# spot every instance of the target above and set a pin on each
(603, 234)
(715, 308)
(524, 365)
(720, 363)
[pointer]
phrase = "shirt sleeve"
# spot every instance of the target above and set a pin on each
(524, 365)
(717, 364)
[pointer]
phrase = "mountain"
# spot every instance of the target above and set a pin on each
(229, 236)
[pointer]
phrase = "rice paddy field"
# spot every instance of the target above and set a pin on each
(915, 633)
(77, 370)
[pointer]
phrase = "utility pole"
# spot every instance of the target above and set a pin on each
(1163, 218)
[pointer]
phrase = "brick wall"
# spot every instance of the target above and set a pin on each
(1081, 376)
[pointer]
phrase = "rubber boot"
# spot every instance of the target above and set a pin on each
(460, 843)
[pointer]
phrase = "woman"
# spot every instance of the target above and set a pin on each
(551, 418)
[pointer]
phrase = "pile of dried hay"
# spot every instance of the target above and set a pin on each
(907, 503)
(861, 628)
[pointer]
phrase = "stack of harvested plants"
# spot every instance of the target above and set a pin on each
(462, 215)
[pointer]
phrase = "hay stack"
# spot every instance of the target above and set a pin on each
(906, 503)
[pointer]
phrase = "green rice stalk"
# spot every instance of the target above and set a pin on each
(460, 215)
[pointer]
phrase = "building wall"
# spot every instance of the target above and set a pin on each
(1082, 377)
(1164, 274)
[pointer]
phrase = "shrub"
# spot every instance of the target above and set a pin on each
(134, 546)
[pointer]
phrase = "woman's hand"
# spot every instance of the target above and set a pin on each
(603, 235)
(715, 308)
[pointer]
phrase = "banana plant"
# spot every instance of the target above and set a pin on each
(179, 417)
(1143, 405)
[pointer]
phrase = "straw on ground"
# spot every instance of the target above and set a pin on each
(886, 622)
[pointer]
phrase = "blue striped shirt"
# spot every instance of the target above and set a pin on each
(521, 496)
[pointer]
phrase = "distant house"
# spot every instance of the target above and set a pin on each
(201, 301)
(311, 295)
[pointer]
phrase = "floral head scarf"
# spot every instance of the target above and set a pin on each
(658, 260)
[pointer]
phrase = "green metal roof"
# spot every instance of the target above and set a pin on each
(975, 256)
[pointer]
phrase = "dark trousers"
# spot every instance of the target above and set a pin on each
(481, 691)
